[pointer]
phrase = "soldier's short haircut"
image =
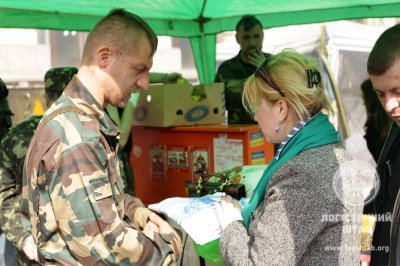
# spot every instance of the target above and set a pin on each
(114, 29)
(248, 22)
(385, 51)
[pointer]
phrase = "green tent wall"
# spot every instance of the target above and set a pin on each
(199, 20)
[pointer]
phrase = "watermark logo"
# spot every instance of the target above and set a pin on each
(356, 183)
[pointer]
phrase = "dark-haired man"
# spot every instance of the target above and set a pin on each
(249, 35)
(79, 213)
(384, 72)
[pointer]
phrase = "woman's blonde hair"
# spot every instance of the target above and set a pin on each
(288, 69)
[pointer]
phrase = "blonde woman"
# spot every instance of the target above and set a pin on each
(297, 215)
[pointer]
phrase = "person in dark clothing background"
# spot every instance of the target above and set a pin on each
(250, 36)
(378, 123)
(5, 112)
(384, 71)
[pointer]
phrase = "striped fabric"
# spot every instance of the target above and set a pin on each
(289, 136)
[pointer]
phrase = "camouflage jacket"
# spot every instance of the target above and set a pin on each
(13, 149)
(74, 193)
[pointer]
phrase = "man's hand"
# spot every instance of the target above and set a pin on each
(150, 228)
(228, 211)
(256, 57)
(30, 249)
(163, 226)
(167, 232)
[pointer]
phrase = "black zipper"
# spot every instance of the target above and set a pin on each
(379, 161)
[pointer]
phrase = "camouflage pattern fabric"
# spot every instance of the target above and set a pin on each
(236, 70)
(127, 173)
(57, 79)
(74, 194)
(123, 155)
(13, 149)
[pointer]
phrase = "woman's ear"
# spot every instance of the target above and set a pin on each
(104, 56)
(281, 109)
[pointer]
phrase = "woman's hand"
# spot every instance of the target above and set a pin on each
(228, 211)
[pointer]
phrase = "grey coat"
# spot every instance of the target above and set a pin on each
(300, 221)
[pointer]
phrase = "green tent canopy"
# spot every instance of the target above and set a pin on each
(199, 20)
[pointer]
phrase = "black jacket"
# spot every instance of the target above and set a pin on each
(395, 228)
(389, 171)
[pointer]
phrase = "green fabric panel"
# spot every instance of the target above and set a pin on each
(203, 49)
(41, 20)
(178, 18)
(11, 18)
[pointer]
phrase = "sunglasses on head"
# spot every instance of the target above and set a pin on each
(263, 73)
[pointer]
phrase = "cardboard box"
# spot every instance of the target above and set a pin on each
(180, 105)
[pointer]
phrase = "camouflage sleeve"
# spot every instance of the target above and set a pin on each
(24, 208)
(88, 210)
(10, 196)
(135, 211)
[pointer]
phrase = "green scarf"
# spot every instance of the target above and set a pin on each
(317, 132)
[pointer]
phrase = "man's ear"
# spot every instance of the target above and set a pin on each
(282, 110)
(104, 56)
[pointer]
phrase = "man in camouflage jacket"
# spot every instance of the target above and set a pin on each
(79, 214)
(7, 250)
(13, 149)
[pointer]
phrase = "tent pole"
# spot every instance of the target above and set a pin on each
(339, 102)
(203, 57)
(202, 20)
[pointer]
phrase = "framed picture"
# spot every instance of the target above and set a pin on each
(178, 158)
(157, 162)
